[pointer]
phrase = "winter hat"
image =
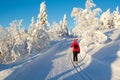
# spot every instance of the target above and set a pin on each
(75, 39)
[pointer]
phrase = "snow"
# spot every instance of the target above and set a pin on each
(43, 53)
(99, 62)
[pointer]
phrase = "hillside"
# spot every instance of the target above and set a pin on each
(100, 62)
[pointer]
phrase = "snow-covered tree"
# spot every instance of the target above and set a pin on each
(55, 31)
(116, 18)
(64, 26)
(88, 24)
(6, 47)
(42, 21)
(89, 4)
(86, 19)
(59, 30)
(14, 43)
(37, 39)
(19, 38)
(3, 32)
(55, 27)
(41, 40)
(32, 26)
(106, 19)
(18, 42)
(96, 37)
(37, 34)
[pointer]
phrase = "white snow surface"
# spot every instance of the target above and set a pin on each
(99, 62)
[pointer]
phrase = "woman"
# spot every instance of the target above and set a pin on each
(76, 49)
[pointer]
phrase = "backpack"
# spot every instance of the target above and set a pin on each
(76, 46)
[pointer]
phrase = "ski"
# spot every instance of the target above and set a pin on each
(84, 75)
(79, 74)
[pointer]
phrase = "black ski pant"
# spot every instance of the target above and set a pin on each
(75, 56)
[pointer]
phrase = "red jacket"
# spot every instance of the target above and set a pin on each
(74, 49)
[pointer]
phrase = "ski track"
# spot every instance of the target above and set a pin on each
(54, 63)
(61, 67)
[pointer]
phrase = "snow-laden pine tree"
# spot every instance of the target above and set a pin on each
(3, 33)
(58, 31)
(86, 19)
(55, 31)
(64, 26)
(60, 28)
(38, 37)
(19, 38)
(116, 18)
(32, 26)
(87, 24)
(3, 46)
(106, 20)
(31, 34)
(42, 21)
(11, 37)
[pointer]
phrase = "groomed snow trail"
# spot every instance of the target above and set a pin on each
(54, 63)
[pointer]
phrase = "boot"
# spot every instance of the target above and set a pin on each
(76, 62)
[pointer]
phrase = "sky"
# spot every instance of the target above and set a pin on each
(26, 9)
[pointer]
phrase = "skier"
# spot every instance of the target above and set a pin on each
(76, 49)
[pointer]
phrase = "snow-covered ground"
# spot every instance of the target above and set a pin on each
(101, 62)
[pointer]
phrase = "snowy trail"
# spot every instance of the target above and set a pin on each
(104, 62)
(49, 65)
(54, 63)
